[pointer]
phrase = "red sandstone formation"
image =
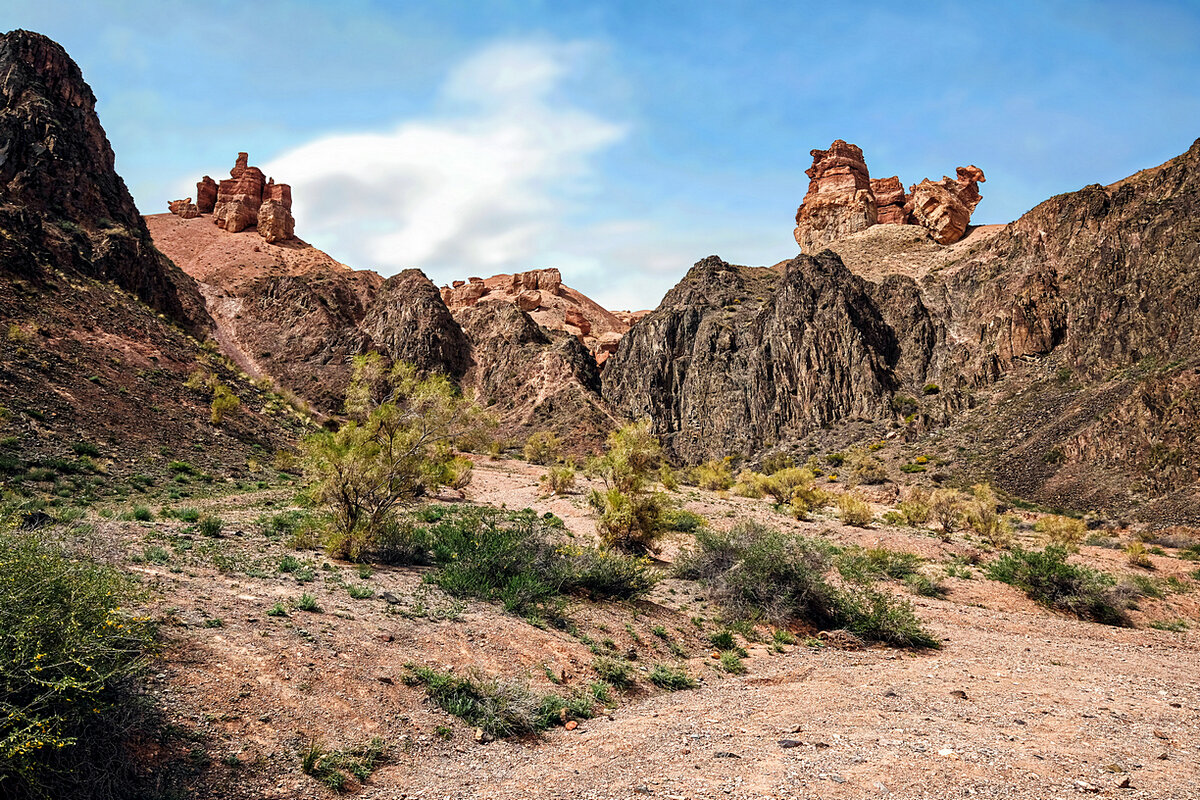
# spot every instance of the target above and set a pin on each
(183, 208)
(206, 194)
(839, 199)
(551, 304)
(843, 199)
(246, 199)
(945, 207)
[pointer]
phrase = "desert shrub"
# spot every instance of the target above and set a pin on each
(630, 516)
(70, 659)
(749, 484)
(500, 706)
(210, 525)
(854, 510)
(865, 468)
(835, 459)
(615, 671)
(17, 334)
(945, 509)
(520, 560)
(930, 388)
(543, 448)
(679, 519)
(925, 585)
(393, 451)
(758, 573)
(1062, 532)
(714, 475)
(904, 405)
(666, 476)
(1137, 556)
(774, 462)
(864, 565)
(731, 662)
(308, 603)
(673, 679)
(456, 473)
(224, 403)
(558, 480)
(1048, 578)
(783, 485)
(334, 767)
(982, 513)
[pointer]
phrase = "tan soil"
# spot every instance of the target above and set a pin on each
(1053, 706)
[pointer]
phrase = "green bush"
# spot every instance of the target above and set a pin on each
(542, 448)
(673, 679)
(210, 525)
(501, 707)
(678, 519)
(630, 516)
(334, 767)
(524, 562)
(558, 480)
(1047, 577)
(714, 475)
(1062, 532)
(614, 671)
(224, 403)
(854, 510)
(755, 572)
(731, 662)
(70, 658)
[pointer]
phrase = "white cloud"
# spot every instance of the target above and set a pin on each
(484, 185)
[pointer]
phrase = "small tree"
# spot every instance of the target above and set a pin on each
(945, 509)
(630, 514)
(542, 448)
(394, 450)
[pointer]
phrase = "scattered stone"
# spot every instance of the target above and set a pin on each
(789, 743)
(959, 693)
(571, 725)
(725, 754)
(482, 736)
(1125, 783)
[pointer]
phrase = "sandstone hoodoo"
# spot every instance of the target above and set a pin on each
(843, 199)
(246, 199)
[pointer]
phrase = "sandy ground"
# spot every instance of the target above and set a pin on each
(1019, 702)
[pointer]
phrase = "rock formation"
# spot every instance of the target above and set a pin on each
(184, 208)
(839, 199)
(1053, 343)
(550, 303)
(206, 195)
(945, 207)
(246, 199)
(843, 199)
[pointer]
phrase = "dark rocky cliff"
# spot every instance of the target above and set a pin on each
(62, 204)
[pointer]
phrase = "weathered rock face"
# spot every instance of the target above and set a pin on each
(736, 357)
(408, 320)
(843, 199)
(945, 207)
(61, 202)
(275, 223)
(184, 208)
(1062, 349)
(206, 195)
(839, 199)
(551, 304)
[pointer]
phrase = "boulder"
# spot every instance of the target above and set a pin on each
(529, 300)
(235, 215)
(183, 208)
(573, 316)
(945, 207)
(275, 222)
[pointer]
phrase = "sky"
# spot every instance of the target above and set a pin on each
(618, 141)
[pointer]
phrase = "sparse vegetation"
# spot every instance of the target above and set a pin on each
(673, 679)
(1047, 577)
(334, 768)
(715, 475)
(759, 573)
(542, 448)
(559, 480)
(630, 514)
(1063, 532)
(854, 510)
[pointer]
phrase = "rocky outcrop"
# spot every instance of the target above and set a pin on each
(206, 195)
(843, 199)
(839, 199)
(247, 199)
(408, 320)
(62, 204)
(184, 208)
(944, 208)
(551, 303)
(275, 222)
(738, 357)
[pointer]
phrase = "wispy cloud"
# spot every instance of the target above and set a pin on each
(483, 184)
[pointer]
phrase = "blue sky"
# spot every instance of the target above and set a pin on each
(620, 141)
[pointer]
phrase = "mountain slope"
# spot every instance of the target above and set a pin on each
(1056, 355)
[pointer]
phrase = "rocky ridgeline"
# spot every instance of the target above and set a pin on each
(552, 304)
(247, 199)
(842, 199)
